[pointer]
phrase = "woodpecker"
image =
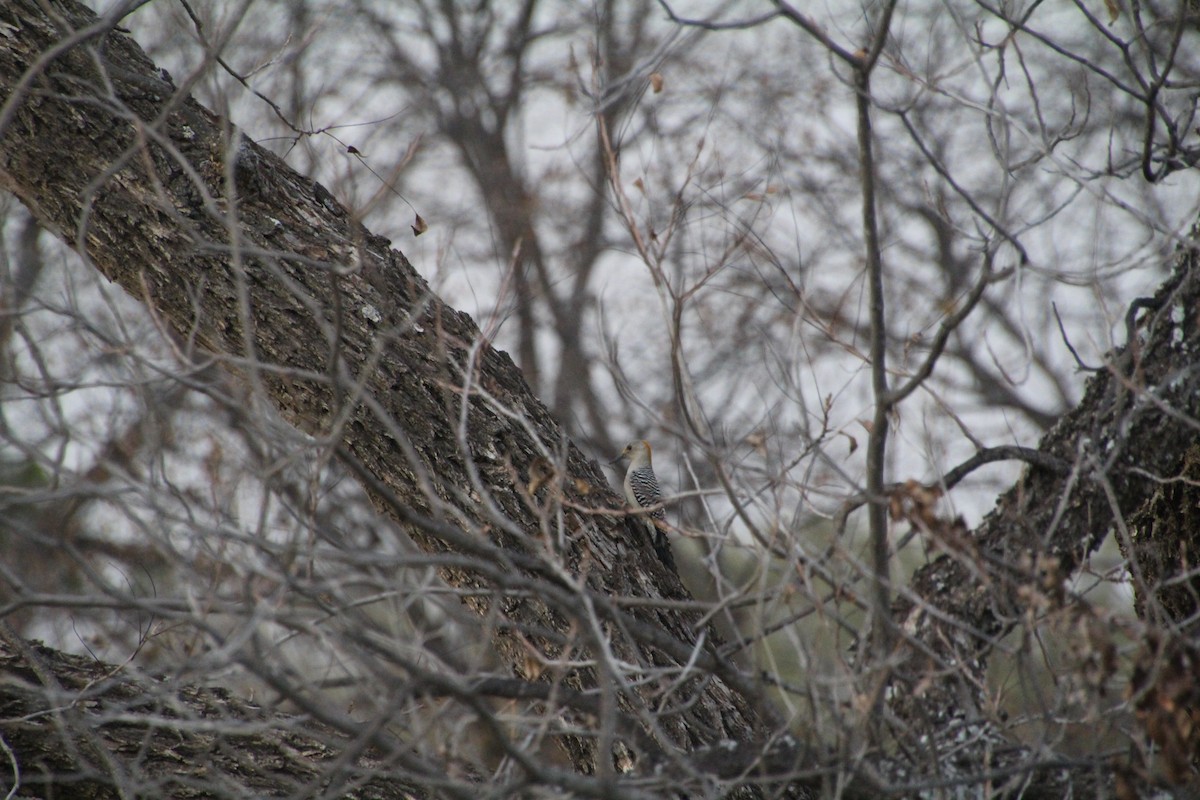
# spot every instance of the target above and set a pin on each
(641, 491)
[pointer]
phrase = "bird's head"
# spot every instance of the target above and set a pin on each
(636, 453)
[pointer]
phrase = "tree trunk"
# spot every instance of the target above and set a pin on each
(263, 270)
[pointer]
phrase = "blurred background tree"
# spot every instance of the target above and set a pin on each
(659, 211)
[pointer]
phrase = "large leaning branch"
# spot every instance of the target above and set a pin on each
(264, 270)
(1099, 469)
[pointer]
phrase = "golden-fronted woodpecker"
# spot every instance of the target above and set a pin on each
(642, 491)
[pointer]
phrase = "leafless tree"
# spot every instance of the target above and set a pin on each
(309, 534)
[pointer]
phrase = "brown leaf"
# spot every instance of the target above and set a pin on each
(420, 226)
(533, 667)
(915, 502)
(1114, 10)
(1166, 700)
(656, 82)
(541, 472)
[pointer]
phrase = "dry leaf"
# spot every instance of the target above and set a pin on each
(420, 226)
(1166, 700)
(533, 667)
(541, 472)
(916, 502)
(656, 82)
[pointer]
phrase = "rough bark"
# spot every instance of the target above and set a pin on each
(80, 728)
(263, 270)
(1125, 449)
